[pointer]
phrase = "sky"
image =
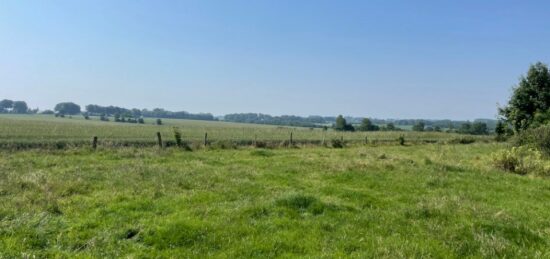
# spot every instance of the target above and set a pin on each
(381, 59)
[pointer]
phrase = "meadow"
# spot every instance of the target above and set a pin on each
(432, 197)
(46, 130)
(430, 200)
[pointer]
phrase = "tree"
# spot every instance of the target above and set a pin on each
(390, 126)
(530, 96)
(500, 131)
(479, 128)
(67, 108)
(20, 107)
(367, 125)
(6, 105)
(419, 126)
(340, 123)
(465, 128)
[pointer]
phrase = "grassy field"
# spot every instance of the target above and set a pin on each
(40, 130)
(429, 200)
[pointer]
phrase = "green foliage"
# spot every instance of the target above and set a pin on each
(6, 105)
(462, 140)
(500, 131)
(48, 112)
(367, 125)
(476, 128)
(530, 97)
(159, 122)
(522, 160)
(340, 124)
(67, 108)
(401, 140)
(177, 136)
(538, 138)
(419, 126)
(20, 107)
(337, 143)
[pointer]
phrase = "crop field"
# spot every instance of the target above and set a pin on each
(40, 130)
(430, 200)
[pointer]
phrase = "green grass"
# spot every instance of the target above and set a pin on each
(389, 201)
(46, 130)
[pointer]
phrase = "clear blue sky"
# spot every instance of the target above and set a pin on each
(383, 59)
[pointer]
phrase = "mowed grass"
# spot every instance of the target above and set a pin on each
(427, 200)
(38, 130)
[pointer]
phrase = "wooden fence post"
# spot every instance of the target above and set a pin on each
(159, 138)
(206, 139)
(94, 143)
(291, 142)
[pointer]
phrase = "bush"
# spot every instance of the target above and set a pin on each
(159, 122)
(462, 140)
(141, 121)
(177, 136)
(538, 138)
(522, 160)
(401, 140)
(337, 143)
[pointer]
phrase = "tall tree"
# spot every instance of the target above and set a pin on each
(20, 107)
(340, 123)
(530, 97)
(6, 105)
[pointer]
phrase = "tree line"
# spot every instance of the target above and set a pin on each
(17, 107)
(475, 128)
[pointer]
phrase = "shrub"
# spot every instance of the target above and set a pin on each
(159, 122)
(141, 121)
(538, 138)
(177, 136)
(337, 143)
(522, 160)
(462, 140)
(401, 140)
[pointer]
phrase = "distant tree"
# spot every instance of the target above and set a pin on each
(340, 124)
(530, 96)
(159, 122)
(48, 112)
(141, 121)
(479, 128)
(429, 128)
(103, 117)
(419, 126)
(117, 117)
(465, 128)
(390, 126)
(6, 105)
(68, 108)
(20, 107)
(367, 125)
(437, 129)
